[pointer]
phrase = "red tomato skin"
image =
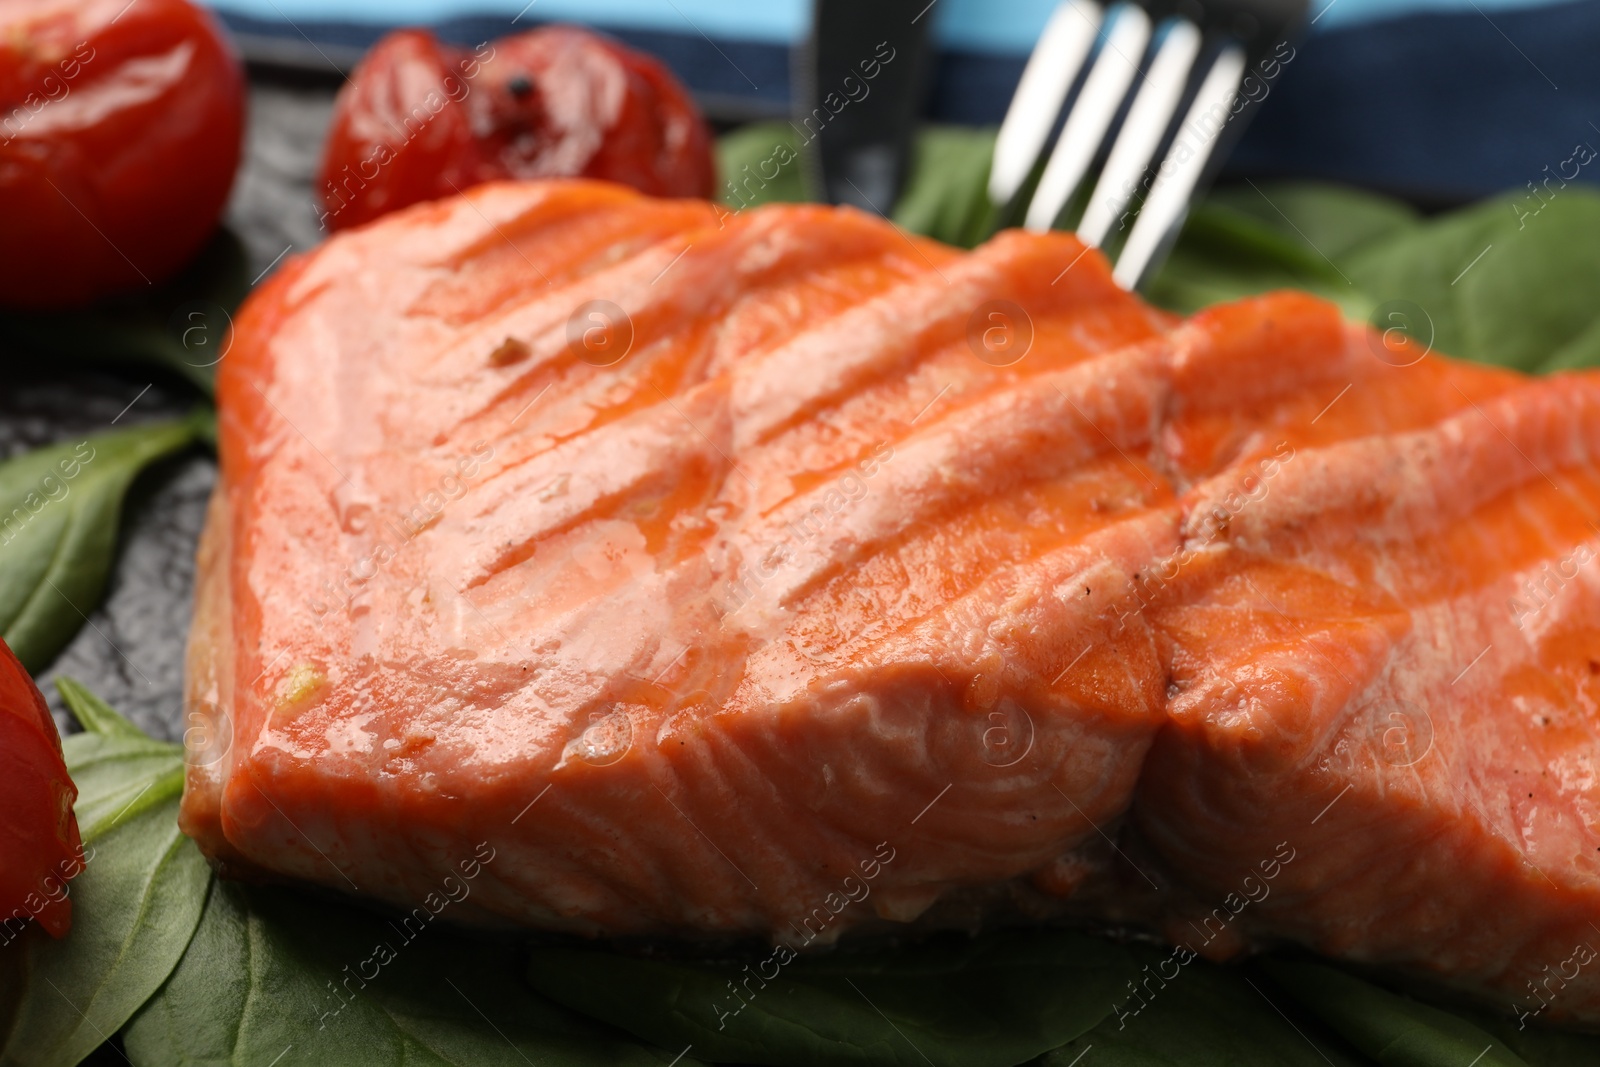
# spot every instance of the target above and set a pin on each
(121, 128)
(39, 844)
(397, 136)
(420, 120)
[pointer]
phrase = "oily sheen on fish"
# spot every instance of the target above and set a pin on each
(777, 573)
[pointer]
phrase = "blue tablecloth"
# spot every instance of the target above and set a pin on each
(1005, 27)
(1440, 100)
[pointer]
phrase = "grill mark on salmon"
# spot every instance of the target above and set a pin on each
(678, 281)
(585, 478)
(1026, 434)
(683, 357)
(1420, 482)
(882, 335)
(556, 246)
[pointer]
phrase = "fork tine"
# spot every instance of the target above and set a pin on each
(1097, 103)
(1148, 118)
(1168, 202)
(1050, 72)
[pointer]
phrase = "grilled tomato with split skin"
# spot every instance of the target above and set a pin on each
(420, 120)
(39, 844)
(121, 127)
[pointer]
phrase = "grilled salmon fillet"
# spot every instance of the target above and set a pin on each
(741, 627)
(778, 573)
(1388, 668)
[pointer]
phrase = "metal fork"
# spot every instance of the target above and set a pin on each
(1202, 56)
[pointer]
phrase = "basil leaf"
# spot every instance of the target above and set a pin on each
(59, 512)
(1331, 221)
(1205, 1015)
(993, 1001)
(119, 771)
(1395, 1030)
(14, 975)
(96, 716)
(181, 326)
(760, 164)
(1495, 282)
(134, 905)
(1226, 254)
(1580, 352)
(271, 970)
(1532, 293)
(946, 195)
(1425, 266)
(1541, 1046)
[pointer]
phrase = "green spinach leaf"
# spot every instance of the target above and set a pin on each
(760, 164)
(1332, 221)
(1393, 1029)
(119, 772)
(1532, 294)
(1540, 1045)
(59, 511)
(1204, 1015)
(946, 194)
(1491, 283)
(271, 971)
(987, 1002)
(1227, 254)
(135, 903)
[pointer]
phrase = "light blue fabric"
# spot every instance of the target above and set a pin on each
(994, 26)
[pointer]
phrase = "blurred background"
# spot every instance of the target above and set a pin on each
(1432, 98)
(1436, 101)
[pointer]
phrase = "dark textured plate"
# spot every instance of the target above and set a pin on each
(131, 649)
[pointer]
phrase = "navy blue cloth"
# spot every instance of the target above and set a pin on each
(1441, 108)
(747, 79)
(1446, 107)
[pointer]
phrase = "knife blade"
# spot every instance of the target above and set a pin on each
(859, 80)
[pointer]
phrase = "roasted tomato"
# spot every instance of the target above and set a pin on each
(39, 845)
(120, 132)
(421, 120)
